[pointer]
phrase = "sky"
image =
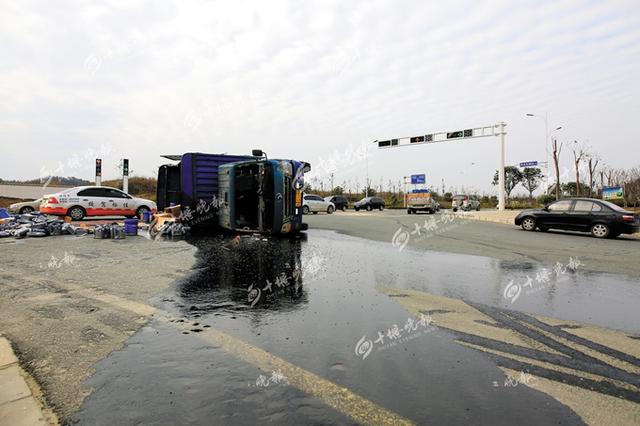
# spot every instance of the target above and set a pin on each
(316, 81)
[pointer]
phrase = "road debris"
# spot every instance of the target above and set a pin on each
(36, 225)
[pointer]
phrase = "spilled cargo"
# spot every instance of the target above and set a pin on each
(235, 193)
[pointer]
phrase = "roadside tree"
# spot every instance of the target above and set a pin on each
(531, 178)
(512, 177)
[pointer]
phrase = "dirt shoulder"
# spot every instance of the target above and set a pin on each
(66, 303)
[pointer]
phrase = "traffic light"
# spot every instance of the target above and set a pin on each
(125, 167)
(385, 144)
(98, 167)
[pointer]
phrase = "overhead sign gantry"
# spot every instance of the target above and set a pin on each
(475, 132)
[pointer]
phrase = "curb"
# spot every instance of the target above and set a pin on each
(18, 403)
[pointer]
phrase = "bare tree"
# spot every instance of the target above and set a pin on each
(593, 165)
(556, 162)
(578, 154)
(609, 174)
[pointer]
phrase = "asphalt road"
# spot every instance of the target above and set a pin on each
(488, 325)
(499, 241)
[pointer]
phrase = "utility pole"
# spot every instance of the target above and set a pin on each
(501, 190)
(331, 175)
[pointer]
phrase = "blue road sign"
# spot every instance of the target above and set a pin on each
(529, 164)
(416, 179)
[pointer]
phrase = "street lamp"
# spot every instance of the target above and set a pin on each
(545, 117)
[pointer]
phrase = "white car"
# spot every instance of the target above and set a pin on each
(26, 206)
(83, 201)
(315, 203)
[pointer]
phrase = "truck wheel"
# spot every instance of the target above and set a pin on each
(344, 208)
(381, 208)
(409, 211)
(369, 208)
(305, 209)
(455, 209)
(329, 209)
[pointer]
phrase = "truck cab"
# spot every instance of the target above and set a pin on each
(235, 193)
(262, 195)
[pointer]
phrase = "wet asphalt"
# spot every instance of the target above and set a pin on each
(311, 301)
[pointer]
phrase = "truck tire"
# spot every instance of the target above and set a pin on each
(409, 211)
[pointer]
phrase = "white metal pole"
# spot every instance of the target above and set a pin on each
(125, 184)
(366, 186)
(546, 152)
(404, 190)
(501, 191)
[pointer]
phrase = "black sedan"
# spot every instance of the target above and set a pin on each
(339, 201)
(369, 204)
(602, 218)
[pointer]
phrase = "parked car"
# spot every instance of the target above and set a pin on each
(465, 203)
(339, 201)
(26, 206)
(369, 203)
(602, 218)
(315, 203)
(83, 201)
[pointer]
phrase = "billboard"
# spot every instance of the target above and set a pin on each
(612, 193)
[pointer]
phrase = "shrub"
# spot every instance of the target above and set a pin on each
(545, 199)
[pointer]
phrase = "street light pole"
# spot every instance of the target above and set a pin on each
(501, 190)
(366, 159)
(547, 134)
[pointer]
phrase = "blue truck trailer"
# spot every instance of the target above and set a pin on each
(235, 192)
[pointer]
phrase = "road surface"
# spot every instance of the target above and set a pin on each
(331, 328)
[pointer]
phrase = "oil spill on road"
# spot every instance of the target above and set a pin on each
(315, 298)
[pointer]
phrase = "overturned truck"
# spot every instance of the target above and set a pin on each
(235, 192)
